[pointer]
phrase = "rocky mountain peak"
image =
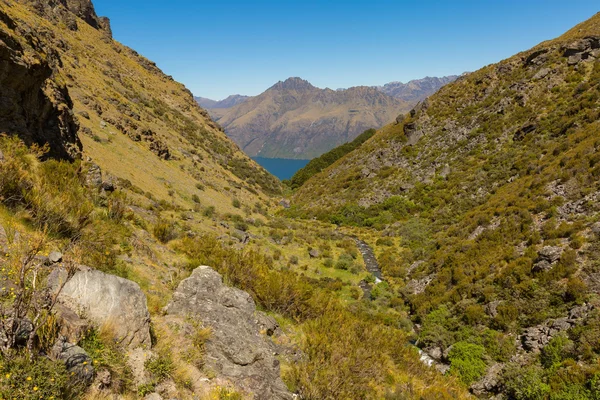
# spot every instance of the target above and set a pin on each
(295, 83)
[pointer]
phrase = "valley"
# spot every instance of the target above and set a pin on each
(438, 239)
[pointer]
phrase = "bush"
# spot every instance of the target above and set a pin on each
(466, 361)
(42, 379)
(525, 383)
(101, 347)
(556, 351)
(161, 367)
(51, 192)
(236, 203)
(165, 231)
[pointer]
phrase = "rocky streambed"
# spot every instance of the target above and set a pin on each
(370, 261)
(372, 266)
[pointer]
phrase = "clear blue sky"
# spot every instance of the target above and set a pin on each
(219, 47)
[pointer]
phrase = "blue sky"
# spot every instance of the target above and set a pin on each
(222, 47)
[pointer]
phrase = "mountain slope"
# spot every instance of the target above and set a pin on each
(416, 90)
(126, 108)
(318, 164)
(491, 186)
(294, 119)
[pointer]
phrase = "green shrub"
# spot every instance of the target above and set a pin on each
(328, 262)
(101, 347)
(165, 230)
(556, 351)
(41, 379)
(161, 367)
(466, 361)
(525, 383)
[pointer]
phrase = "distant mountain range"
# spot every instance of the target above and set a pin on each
(416, 90)
(229, 102)
(294, 119)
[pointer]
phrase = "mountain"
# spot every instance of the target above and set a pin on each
(294, 119)
(491, 189)
(416, 90)
(228, 102)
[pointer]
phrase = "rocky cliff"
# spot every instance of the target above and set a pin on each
(35, 105)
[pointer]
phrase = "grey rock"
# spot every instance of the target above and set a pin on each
(550, 253)
(574, 59)
(541, 266)
(547, 257)
(535, 338)
(75, 358)
(435, 353)
(542, 73)
(267, 324)
(416, 286)
(1, 157)
(55, 257)
(314, 253)
(72, 327)
(490, 382)
(491, 308)
(106, 300)
(103, 379)
(285, 203)
(93, 177)
(236, 349)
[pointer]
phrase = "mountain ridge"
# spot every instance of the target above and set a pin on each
(295, 119)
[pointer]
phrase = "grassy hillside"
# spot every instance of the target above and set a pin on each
(318, 164)
(491, 187)
(128, 111)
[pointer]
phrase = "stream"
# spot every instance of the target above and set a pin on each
(372, 266)
(370, 261)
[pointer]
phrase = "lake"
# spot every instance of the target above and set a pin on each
(282, 168)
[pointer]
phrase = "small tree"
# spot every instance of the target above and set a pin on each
(28, 302)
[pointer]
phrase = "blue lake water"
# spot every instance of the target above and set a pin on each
(283, 168)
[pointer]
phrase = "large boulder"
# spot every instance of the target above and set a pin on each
(236, 349)
(106, 301)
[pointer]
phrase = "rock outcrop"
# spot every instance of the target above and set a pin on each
(64, 11)
(32, 105)
(106, 301)
(548, 256)
(536, 337)
(236, 350)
